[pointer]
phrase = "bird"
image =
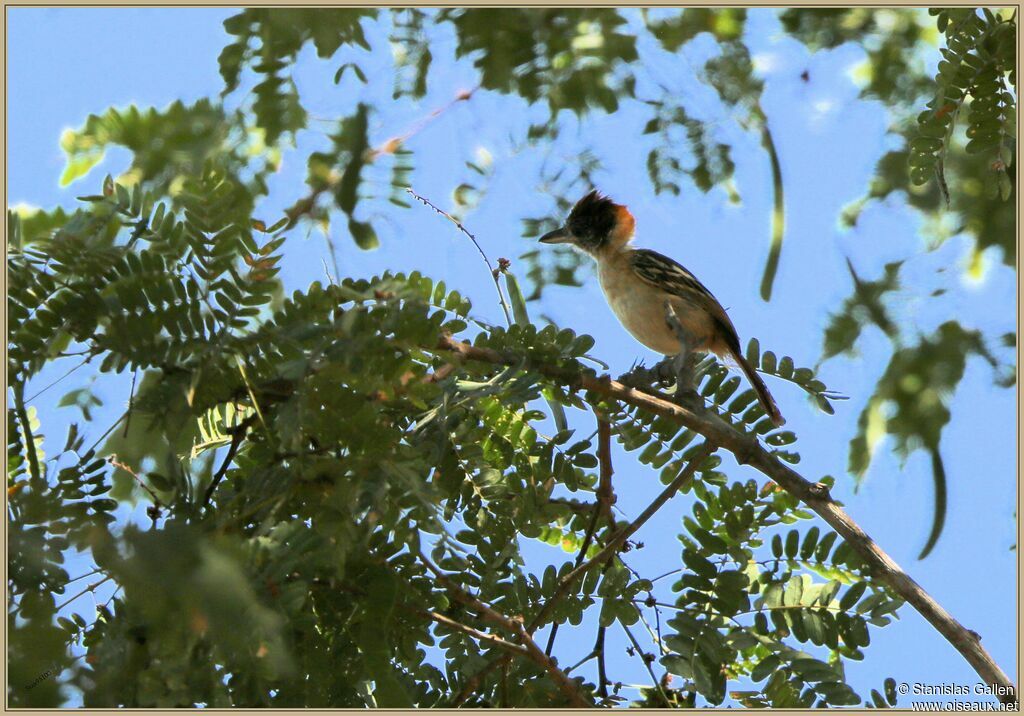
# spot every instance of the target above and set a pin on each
(656, 299)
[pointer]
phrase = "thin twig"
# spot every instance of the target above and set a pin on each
(237, 437)
(391, 145)
(109, 430)
(83, 576)
(131, 404)
(748, 451)
(490, 269)
(647, 663)
(474, 681)
(666, 574)
(58, 380)
(581, 662)
(570, 689)
(90, 588)
(112, 595)
(605, 500)
(477, 634)
(112, 459)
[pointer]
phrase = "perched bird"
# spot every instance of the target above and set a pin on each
(657, 300)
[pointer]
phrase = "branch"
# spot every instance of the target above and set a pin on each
(236, 441)
(612, 548)
(493, 271)
(748, 451)
(605, 500)
(392, 145)
(112, 459)
(570, 689)
(647, 663)
(26, 431)
(477, 634)
(306, 204)
(602, 675)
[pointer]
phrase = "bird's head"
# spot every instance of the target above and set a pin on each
(596, 224)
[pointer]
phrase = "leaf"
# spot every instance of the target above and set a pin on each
(810, 542)
(792, 544)
(778, 226)
(814, 626)
(852, 596)
(709, 679)
(793, 591)
(939, 512)
(515, 297)
(364, 235)
(765, 668)
(80, 165)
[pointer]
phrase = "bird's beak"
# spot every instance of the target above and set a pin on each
(560, 235)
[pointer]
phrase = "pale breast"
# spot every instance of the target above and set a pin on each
(640, 308)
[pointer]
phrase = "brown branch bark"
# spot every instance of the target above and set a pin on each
(748, 451)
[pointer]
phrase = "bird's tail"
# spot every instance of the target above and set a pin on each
(767, 402)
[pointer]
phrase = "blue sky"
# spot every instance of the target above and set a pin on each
(828, 140)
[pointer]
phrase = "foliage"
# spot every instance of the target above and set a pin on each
(974, 186)
(979, 65)
(169, 145)
(349, 445)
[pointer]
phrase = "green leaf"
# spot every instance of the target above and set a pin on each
(852, 596)
(810, 542)
(792, 544)
(364, 235)
(515, 297)
(765, 668)
(382, 593)
(793, 591)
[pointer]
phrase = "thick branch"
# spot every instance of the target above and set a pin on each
(747, 450)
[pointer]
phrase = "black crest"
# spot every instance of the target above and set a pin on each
(592, 220)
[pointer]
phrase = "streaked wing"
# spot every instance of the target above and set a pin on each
(662, 272)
